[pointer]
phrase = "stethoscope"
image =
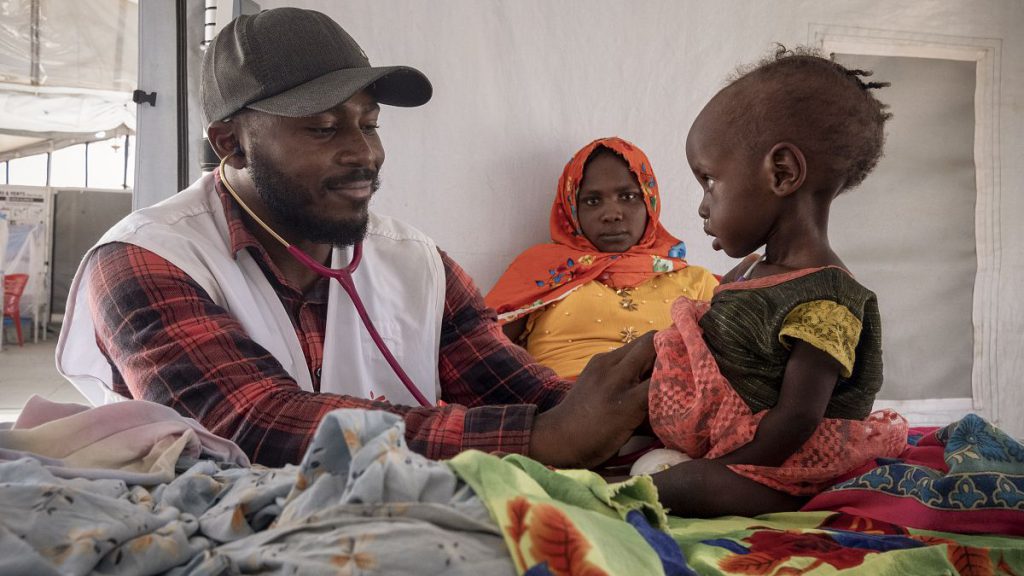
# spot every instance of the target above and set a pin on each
(344, 277)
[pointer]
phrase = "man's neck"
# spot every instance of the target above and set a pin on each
(293, 271)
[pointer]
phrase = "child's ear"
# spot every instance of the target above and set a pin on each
(787, 168)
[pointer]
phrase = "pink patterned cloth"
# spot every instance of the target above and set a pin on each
(693, 409)
(136, 441)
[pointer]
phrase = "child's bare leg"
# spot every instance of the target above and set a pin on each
(706, 489)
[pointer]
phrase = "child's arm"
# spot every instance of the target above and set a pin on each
(807, 386)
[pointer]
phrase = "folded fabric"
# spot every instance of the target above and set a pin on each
(567, 521)
(976, 488)
(360, 502)
(135, 441)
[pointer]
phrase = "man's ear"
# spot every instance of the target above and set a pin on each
(224, 141)
(786, 167)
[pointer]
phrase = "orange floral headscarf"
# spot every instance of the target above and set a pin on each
(547, 272)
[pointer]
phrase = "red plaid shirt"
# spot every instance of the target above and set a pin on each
(168, 342)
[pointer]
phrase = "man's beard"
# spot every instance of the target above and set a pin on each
(287, 201)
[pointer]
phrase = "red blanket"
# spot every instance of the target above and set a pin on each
(967, 478)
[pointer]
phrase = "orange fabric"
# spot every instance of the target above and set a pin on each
(693, 409)
(546, 272)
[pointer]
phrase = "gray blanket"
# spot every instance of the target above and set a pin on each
(359, 503)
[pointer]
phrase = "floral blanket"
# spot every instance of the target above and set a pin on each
(571, 521)
(837, 543)
(951, 504)
(362, 503)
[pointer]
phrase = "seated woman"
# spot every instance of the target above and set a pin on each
(612, 272)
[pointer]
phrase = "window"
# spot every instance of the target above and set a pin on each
(67, 166)
(106, 163)
(28, 171)
(100, 164)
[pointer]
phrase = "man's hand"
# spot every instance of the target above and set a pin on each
(608, 402)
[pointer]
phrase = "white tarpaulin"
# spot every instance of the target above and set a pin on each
(521, 85)
(62, 110)
(67, 68)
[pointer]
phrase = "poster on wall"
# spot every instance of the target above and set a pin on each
(3, 239)
(3, 250)
(26, 205)
(29, 213)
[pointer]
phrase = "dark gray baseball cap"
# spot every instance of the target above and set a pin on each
(295, 62)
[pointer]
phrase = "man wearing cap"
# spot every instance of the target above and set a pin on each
(192, 304)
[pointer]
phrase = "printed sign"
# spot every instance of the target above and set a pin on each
(25, 205)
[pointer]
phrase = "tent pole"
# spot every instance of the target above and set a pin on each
(124, 179)
(182, 93)
(36, 72)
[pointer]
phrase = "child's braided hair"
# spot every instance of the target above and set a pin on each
(829, 108)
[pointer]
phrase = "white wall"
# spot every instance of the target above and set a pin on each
(520, 85)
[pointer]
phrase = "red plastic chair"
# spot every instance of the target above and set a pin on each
(14, 286)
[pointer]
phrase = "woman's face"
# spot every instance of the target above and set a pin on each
(610, 203)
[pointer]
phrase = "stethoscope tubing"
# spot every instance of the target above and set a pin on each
(344, 278)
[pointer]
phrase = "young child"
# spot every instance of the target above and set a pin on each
(770, 387)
